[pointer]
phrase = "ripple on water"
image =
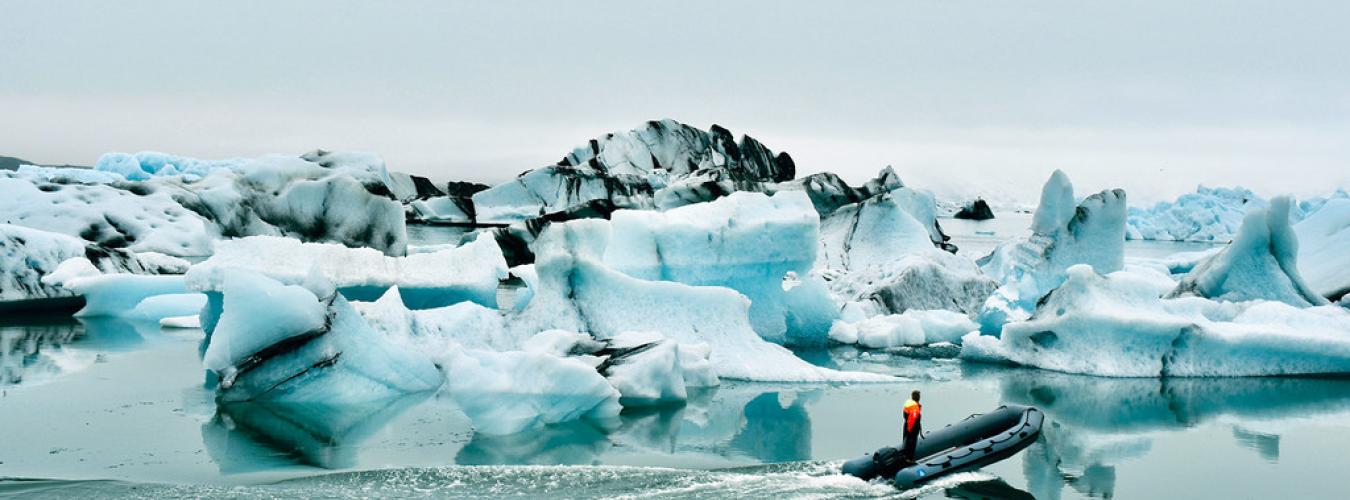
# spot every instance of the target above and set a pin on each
(790, 480)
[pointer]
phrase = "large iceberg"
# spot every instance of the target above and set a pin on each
(508, 392)
(1208, 214)
(1063, 234)
(267, 341)
(747, 242)
(1324, 249)
(1118, 325)
(630, 169)
(447, 276)
(35, 264)
(884, 252)
(322, 197)
(1260, 264)
(577, 292)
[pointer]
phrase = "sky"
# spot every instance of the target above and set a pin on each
(962, 97)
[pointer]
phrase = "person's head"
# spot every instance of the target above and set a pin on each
(914, 395)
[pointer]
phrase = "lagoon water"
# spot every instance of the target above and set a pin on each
(115, 409)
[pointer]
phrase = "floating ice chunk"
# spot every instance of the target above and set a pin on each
(35, 265)
(577, 293)
(281, 343)
(914, 327)
(119, 294)
(509, 392)
(1261, 263)
(1117, 325)
(1063, 235)
(1208, 214)
(881, 253)
(1324, 249)
(436, 330)
(140, 217)
(745, 241)
(645, 368)
(259, 312)
(466, 273)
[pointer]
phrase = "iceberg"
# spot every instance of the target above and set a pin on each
(1260, 264)
(342, 199)
(884, 252)
(829, 192)
(577, 292)
(510, 392)
(1324, 249)
(1063, 234)
(664, 163)
(1119, 325)
(745, 241)
(470, 272)
(913, 327)
(132, 296)
(267, 341)
(1208, 214)
(35, 264)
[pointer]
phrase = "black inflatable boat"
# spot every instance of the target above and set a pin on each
(977, 441)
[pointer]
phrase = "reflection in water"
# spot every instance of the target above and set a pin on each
(1096, 423)
(246, 437)
(35, 349)
(572, 443)
(735, 423)
(1266, 445)
(987, 490)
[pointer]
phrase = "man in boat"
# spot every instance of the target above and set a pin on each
(913, 415)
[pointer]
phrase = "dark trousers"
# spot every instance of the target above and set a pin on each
(911, 440)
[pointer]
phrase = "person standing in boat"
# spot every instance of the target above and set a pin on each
(913, 416)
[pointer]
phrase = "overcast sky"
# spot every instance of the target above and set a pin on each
(960, 96)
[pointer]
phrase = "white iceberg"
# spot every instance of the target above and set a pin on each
(576, 292)
(509, 392)
(1260, 264)
(1118, 325)
(913, 327)
(35, 264)
(1208, 214)
(1063, 234)
(267, 341)
(1324, 249)
(745, 241)
(883, 252)
(469, 272)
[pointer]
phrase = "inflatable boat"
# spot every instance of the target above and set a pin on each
(979, 440)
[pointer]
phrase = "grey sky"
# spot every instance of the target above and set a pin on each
(959, 96)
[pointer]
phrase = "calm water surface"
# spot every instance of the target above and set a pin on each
(117, 409)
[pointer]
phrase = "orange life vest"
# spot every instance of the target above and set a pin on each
(912, 412)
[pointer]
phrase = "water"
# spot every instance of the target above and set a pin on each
(117, 409)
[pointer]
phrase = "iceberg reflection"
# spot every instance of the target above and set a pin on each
(255, 436)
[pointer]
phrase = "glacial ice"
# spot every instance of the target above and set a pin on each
(1324, 249)
(509, 392)
(745, 241)
(1063, 234)
(882, 252)
(577, 292)
(325, 199)
(34, 264)
(1118, 325)
(1208, 214)
(1260, 264)
(133, 296)
(466, 273)
(913, 327)
(283, 343)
